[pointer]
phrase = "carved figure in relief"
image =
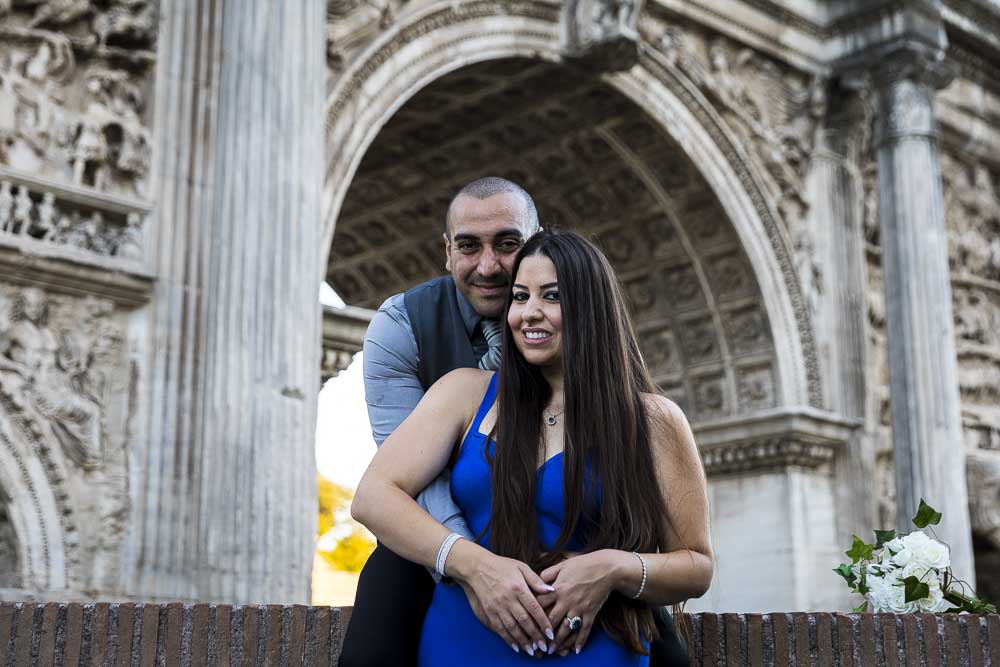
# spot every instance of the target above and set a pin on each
(130, 244)
(59, 12)
(6, 206)
(47, 373)
(807, 268)
(984, 495)
(131, 20)
(972, 321)
(973, 209)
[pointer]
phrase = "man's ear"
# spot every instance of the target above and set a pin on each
(447, 252)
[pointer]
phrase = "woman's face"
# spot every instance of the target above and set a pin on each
(535, 315)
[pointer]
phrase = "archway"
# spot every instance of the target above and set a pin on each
(642, 161)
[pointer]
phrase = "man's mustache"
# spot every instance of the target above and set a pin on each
(489, 283)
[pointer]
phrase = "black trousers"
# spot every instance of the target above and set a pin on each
(392, 599)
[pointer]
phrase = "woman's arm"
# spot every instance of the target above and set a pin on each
(682, 570)
(409, 459)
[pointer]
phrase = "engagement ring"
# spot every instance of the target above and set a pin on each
(574, 623)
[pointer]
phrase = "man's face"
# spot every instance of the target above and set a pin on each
(486, 235)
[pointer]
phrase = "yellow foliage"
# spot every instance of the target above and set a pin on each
(350, 553)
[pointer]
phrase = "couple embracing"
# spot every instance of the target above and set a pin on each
(556, 499)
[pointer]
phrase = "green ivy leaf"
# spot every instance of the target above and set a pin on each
(860, 551)
(914, 589)
(861, 608)
(847, 573)
(883, 536)
(926, 516)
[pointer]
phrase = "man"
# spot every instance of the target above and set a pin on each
(415, 338)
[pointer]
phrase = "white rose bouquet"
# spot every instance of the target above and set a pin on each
(908, 573)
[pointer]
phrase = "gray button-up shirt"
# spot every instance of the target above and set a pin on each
(393, 389)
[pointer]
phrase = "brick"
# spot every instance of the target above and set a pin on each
(272, 635)
(150, 632)
(782, 648)
(867, 639)
(199, 634)
(932, 642)
(993, 635)
(952, 641)
(99, 634)
(223, 635)
(24, 628)
(173, 629)
(321, 636)
(845, 639)
(911, 641)
(711, 646)
(297, 636)
(800, 626)
(755, 639)
(974, 633)
(73, 634)
(6, 629)
(47, 636)
(824, 640)
(890, 645)
(251, 628)
(126, 626)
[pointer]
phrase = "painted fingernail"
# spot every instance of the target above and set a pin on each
(516, 649)
(550, 589)
(543, 647)
(552, 648)
(549, 634)
(577, 649)
(530, 651)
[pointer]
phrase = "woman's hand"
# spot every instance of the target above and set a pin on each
(502, 593)
(582, 584)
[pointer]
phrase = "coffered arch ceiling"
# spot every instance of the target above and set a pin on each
(594, 162)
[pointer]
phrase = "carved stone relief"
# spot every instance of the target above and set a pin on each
(10, 555)
(350, 24)
(602, 33)
(972, 210)
(31, 213)
(65, 390)
(75, 79)
(776, 110)
(984, 495)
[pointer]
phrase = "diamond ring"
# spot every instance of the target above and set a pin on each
(574, 623)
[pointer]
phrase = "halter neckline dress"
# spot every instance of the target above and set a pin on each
(452, 635)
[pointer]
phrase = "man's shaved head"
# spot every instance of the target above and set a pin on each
(486, 187)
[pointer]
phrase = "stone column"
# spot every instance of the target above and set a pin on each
(929, 458)
(224, 502)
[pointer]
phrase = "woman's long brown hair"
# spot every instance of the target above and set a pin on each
(607, 433)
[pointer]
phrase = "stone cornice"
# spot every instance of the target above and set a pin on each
(775, 440)
(344, 328)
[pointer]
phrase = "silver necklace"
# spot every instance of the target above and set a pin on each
(551, 417)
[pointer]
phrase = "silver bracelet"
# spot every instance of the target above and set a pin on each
(642, 586)
(443, 552)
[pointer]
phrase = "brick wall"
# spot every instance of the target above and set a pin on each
(176, 634)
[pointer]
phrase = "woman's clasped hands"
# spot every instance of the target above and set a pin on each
(553, 612)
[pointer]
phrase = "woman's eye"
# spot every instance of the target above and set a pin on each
(552, 296)
(520, 296)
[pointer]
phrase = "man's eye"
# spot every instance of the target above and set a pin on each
(467, 247)
(509, 246)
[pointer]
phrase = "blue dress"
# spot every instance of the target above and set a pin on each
(452, 635)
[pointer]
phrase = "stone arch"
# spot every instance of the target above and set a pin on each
(36, 513)
(398, 65)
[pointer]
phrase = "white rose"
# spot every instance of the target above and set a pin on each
(920, 549)
(886, 594)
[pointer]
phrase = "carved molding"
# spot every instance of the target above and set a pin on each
(773, 441)
(343, 337)
(601, 34)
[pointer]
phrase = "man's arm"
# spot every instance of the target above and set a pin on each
(392, 391)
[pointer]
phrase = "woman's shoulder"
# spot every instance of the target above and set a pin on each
(660, 406)
(463, 383)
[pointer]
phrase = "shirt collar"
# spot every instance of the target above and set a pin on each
(469, 315)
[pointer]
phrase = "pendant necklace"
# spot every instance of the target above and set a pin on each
(551, 417)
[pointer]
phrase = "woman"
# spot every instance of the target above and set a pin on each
(584, 485)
